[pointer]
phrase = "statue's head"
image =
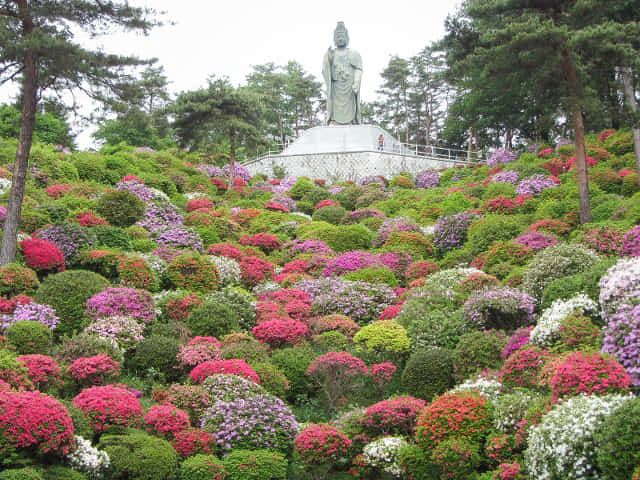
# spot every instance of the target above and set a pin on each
(341, 36)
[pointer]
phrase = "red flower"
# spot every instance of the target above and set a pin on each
(166, 420)
(42, 255)
(109, 406)
(233, 367)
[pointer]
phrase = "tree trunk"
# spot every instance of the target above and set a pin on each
(509, 139)
(232, 160)
(470, 145)
(427, 128)
(21, 164)
(578, 126)
(406, 117)
(630, 94)
(282, 139)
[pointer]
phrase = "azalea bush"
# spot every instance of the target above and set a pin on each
(622, 339)
(234, 367)
(337, 373)
(397, 416)
(166, 420)
(124, 301)
(321, 445)
(96, 370)
(109, 407)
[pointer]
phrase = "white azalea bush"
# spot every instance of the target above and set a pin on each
(488, 387)
(562, 446)
(384, 454)
(546, 331)
(620, 285)
(228, 268)
(88, 459)
(511, 408)
(5, 185)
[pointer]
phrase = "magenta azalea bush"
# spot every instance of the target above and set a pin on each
(124, 301)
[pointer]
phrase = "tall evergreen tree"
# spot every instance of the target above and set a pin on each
(37, 48)
(548, 44)
(393, 109)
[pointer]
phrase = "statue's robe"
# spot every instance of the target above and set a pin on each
(340, 76)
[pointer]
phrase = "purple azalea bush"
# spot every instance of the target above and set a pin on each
(160, 216)
(261, 421)
(517, 341)
(238, 171)
(210, 170)
(315, 247)
(499, 308)
(361, 301)
(501, 156)
(350, 262)
(70, 238)
(372, 179)
(508, 176)
(428, 179)
(137, 188)
(535, 185)
(358, 215)
(537, 241)
(395, 224)
(288, 202)
(622, 339)
(34, 312)
(125, 330)
(631, 243)
(122, 301)
(180, 237)
(451, 232)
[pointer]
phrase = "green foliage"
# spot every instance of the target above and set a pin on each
(383, 339)
(29, 337)
(271, 379)
(349, 196)
(48, 127)
(81, 424)
(373, 275)
(159, 353)
(255, 465)
(26, 473)
(293, 362)
(16, 279)
(60, 472)
(213, 319)
(138, 456)
(114, 237)
(618, 441)
(315, 196)
(68, 292)
(301, 188)
(143, 245)
(331, 214)
(499, 189)
(436, 328)
(202, 467)
(477, 351)
(429, 373)
(555, 262)
(87, 345)
(484, 233)
(121, 208)
(90, 166)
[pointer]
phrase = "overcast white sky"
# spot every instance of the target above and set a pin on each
(212, 37)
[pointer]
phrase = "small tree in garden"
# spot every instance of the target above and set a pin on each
(337, 373)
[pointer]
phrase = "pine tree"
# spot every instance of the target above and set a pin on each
(37, 49)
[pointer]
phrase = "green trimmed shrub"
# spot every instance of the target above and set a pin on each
(350, 237)
(159, 353)
(213, 319)
(618, 442)
(477, 351)
(202, 467)
(255, 465)
(349, 196)
(26, 473)
(373, 274)
(332, 214)
(120, 208)
(143, 245)
(87, 345)
(60, 472)
(484, 233)
(303, 186)
(271, 379)
(68, 292)
(114, 237)
(81, 424)
(429, 373)
(29, 337)
(90, 166)
(294, 362)
(16, 279)
(138, 456)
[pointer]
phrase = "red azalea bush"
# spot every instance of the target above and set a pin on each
(89, 219)
(321, 445)
(523, 367)
(42, 255)
(326, 203)
(44, 371)
(421, 270)
(194, 354)
(336, 321)
(233, 367)
(390, 312)
(197, 204)
(192, 271)
(254, 270)
(224, 250)
(166, 420)
(298, 310)
(108, 407)
(57, 191)
(396, 416)
(382, 373)
(605, 240)
(179, 309)
(501, 205)
(264, 241)
(556, 227)
(276, 207)
(135, 272)
(281, 332)
(31, 420)
(594, 373)
(96, 370)
(454, 415)
(337, 373)
(190, 442)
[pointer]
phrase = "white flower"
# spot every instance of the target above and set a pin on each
(484, 386)
(300, 214)
(621, 284)
(159, 195)
(157, 264)
(428, 230)
(561, 447)
(228, 268)
(192, 195)
(546, 330)
(5, 185)
(383, 453)
(88, 459)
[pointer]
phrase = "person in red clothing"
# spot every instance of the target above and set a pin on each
(381, 142)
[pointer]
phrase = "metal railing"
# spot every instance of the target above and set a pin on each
(430, 152)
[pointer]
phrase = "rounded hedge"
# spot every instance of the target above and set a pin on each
(213, 319)
(139, 456)
(429, 373)
(29, 336)
(17, 280)
(26, 473)
(120, 208)
(68, 292)
(202, 467)
(255, 465)
(331, 214)
(157, 352)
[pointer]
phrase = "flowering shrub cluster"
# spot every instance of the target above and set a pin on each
(503, 308)
(88, 459)
(337, 373)
(547, 329)
(393, 417)
(535, 185)
(166, 420)
(34, 312)
(122, 301)
(109, 406)
(384, 454)
(43, 370)
(501, 156)
(622, 339)
(321, 444)
(451, 231)
(42, 255)
(234, 367)
(94, 370)
(428, 179)
(125, 330)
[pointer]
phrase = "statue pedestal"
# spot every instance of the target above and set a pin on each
(346, 152)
